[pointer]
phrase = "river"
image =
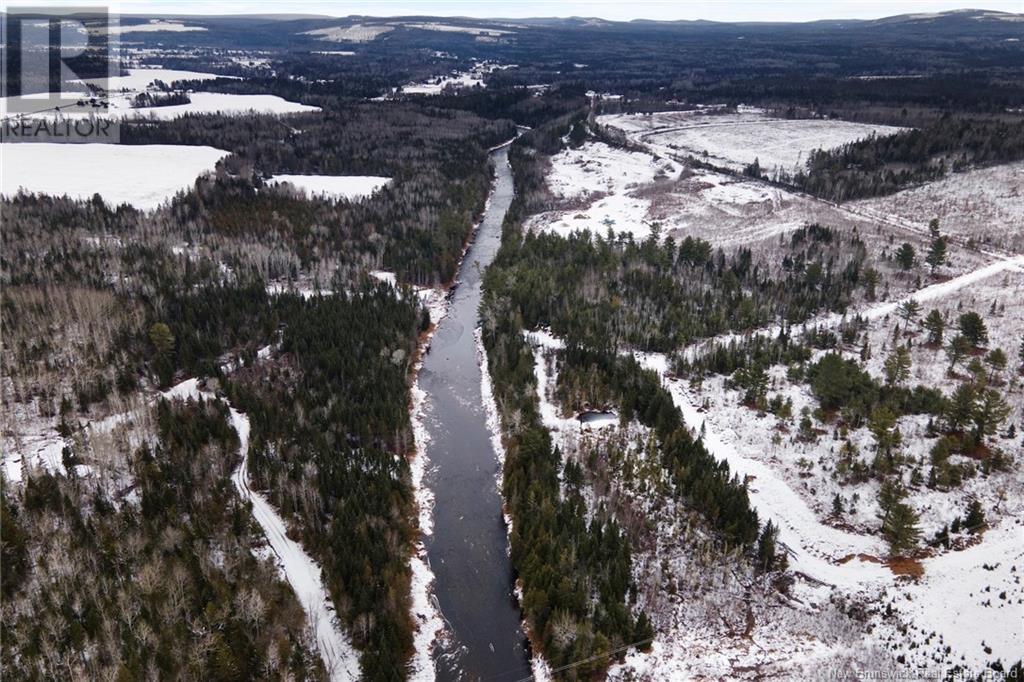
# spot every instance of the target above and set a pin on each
(468, 548)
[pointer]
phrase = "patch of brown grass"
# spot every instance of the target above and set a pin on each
(906, 566)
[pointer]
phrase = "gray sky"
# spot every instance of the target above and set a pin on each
(714, 10)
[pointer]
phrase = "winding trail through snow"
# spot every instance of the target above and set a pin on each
(814, 546)
(302, 573)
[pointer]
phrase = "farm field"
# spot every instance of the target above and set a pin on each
(735, 140)
(126, 177)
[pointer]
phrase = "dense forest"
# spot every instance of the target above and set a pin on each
(605, 292)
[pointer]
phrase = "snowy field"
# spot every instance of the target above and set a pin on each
(224, 103)
(733, 140)
(118, 173)
(347, 187)
(154, 26)
(601, 188)
(122, 91)
(357, 33)
(598, 187)
(449, 28)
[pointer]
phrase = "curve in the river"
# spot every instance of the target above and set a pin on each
(468, 547)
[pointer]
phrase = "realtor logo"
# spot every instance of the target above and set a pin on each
(56, 66)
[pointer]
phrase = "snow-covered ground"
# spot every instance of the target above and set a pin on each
(38, 446)
(450, 28)
(224, 103)
(599, 188)
(733, 140)
(122, 90)
(137, 80)
(456, 79)
(985, 204)
(356, 33)
(118, 173)
(427, 619)
(348, 187)
(154, 26)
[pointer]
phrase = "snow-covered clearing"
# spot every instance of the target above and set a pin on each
(118, 173)
(598, 187)
(224, 103)
(356, 33)
(450, 28)
(154, 26)
(734, 140)
(986, 205)
(122, 91)
(302, 573)
(456, 79)
(348, 187)
(137, 80)
(997, 297)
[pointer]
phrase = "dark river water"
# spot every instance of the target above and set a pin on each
(468, 550)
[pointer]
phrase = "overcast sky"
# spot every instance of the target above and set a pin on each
(714, 10)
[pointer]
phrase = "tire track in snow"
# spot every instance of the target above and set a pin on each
(301, 572)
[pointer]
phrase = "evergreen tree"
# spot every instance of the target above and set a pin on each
(899, 520)
(767, 550)
(974, 522)
(935, 326)
(897, 366)
(973, 329)
(959, 411)
(906, 256)
(957, 350)
(909, 310)
(837, 506)
(936, 253)
(990, 411)
(996, 361)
